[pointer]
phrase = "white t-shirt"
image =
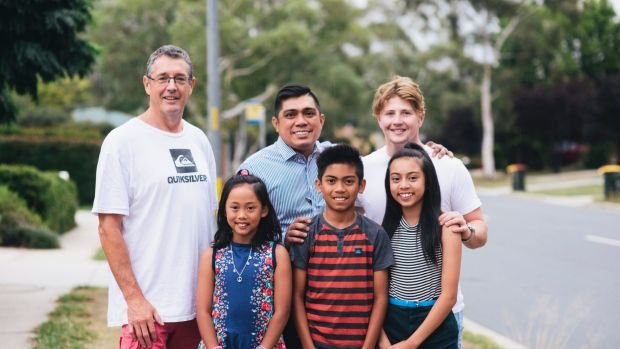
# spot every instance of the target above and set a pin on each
(457, 190)
(164, 185)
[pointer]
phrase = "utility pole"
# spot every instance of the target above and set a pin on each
(213, 90)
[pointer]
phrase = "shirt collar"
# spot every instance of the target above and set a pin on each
(287, 152)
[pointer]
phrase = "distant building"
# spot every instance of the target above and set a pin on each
(100, 115)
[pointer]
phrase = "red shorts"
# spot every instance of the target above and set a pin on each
(171, 335)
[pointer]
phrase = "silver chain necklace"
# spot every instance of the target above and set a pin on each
(232, 251)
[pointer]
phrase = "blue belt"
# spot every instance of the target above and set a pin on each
(411, 304)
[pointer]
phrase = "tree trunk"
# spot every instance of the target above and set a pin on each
(488, 160)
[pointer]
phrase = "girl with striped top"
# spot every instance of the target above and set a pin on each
(427, 257)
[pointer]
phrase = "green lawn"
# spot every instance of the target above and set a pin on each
(69, 325)
(491, 183)
(471, 340)
(99, 255)
(596, 191)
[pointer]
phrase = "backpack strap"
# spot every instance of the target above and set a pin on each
(273, 246)
(213, 259)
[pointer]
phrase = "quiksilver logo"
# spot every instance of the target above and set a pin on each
(183, 160)
(187, 179)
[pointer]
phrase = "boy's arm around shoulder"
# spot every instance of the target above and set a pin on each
(204, 299)
(282, 294)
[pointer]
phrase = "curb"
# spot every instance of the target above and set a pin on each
(497, 338)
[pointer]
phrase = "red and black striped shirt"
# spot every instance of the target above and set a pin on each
(340, 266)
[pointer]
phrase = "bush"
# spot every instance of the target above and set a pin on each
(31, 236)
(13, 209)
(53, 198)
(21, 227)
(57, 153)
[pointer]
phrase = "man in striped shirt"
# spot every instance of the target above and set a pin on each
(288, 166)
(340, 280)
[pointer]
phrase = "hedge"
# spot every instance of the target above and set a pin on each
(78, 157)
(21, 227)
(52, 198)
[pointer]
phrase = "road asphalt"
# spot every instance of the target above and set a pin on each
(32, 280)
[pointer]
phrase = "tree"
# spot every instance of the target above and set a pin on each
(460, 31)
(55, 102)
(127, 32)
(598, 36)
(263, 45)
(41, 41)
(567, 61)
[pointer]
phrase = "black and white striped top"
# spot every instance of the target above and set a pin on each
(412, 277)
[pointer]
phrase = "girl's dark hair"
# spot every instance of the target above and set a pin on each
(268, 228)
(430, 229)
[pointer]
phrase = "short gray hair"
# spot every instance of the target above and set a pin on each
(172, 52)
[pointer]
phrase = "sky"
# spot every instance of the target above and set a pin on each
(616, 4)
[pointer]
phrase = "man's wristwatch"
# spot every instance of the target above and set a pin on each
(472, 231)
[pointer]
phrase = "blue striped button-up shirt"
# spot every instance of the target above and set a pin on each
(289, 177)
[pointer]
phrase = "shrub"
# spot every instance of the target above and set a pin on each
(73, 149)
(21, 227)
(13, 209)
(53, 198)
(31, 236)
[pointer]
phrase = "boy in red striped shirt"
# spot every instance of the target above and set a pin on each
(340, 277)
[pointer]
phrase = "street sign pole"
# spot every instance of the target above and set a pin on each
(213, 90)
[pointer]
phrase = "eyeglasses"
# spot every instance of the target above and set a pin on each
(180, 80)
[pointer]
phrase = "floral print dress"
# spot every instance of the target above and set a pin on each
(243, 295)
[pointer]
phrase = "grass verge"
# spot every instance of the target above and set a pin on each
(595, 191)
(99, 255)
(500, 180)
(78, 322)
(474, 341)
(68, 325)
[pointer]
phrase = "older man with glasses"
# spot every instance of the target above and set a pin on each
(156, 196)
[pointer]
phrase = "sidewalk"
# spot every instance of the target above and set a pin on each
(32, 280)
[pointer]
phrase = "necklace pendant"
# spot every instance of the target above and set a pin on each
(239, 279)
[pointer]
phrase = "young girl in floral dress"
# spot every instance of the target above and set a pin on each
(244, 281)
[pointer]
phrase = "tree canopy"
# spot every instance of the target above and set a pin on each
(538, 55)
(41, 42)
(262, 45)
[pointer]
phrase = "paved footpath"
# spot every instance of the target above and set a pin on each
(32, 280)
